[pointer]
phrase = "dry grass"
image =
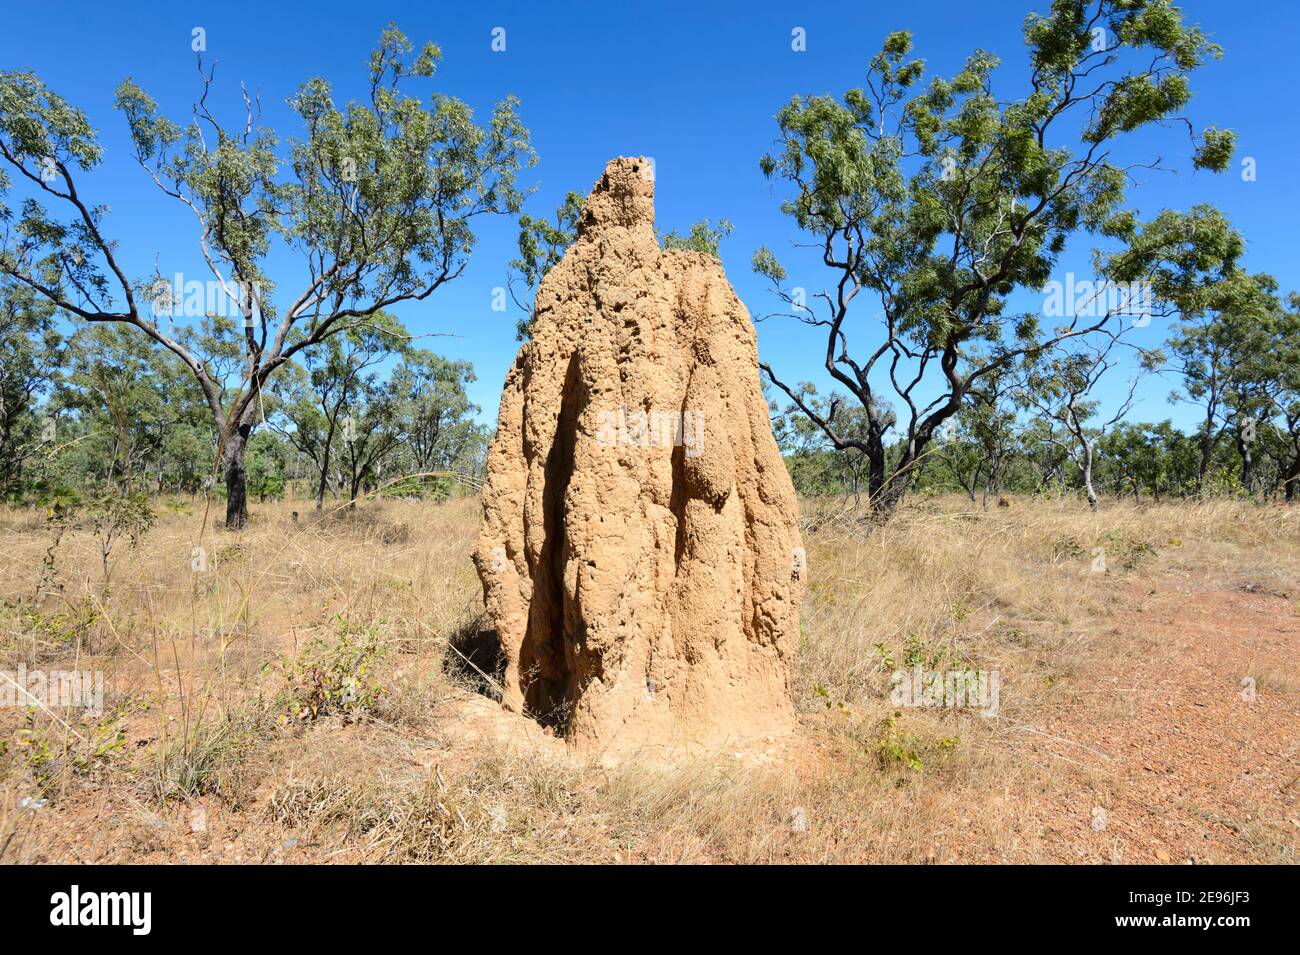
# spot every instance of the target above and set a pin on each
(1016, 590)
(291, 702)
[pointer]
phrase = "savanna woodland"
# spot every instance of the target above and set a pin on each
(1041, 420)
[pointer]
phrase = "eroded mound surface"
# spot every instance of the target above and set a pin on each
(640, 555)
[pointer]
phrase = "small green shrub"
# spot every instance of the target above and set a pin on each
(895, 749)
(337, 679)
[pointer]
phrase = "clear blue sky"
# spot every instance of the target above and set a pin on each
(693, 85)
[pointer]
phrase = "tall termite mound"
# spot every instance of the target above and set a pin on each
(640, 553)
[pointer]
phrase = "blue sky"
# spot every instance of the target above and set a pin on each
(694, 86)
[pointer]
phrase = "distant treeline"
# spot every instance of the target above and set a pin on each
(1138, 461)
(102, 411)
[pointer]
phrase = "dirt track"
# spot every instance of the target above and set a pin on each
(1185, 768)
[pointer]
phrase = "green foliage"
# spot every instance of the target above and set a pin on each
(53, 751)
(337, 410)
(335, 679)
(825, 696)
(894, 749)
(432, 400)
(31, 350)
(1215, 149)
(111, 516)
(126, 410)
(1224, 482)
(1127, 551)
(703, 236)
(58, 629)
(765, 264)
(814, 465)
(1238, 356)
(380, 196)
(541, 246)
(268, 456)
(937, 202)
(129, 419)
(109, 513)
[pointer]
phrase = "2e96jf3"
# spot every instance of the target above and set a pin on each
(1216, 897)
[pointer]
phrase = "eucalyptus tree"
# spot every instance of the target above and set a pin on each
(542, 243)
(1059, 385)
(377, 198)
(1288, 397)
(317, 403)
(1235, 358)
(128, 399)
(1257, 384)
(1218, 353)
(433, 406)
(983, 441)
(815, 466)
(936, 204)
(1045, 453)
(374, 436)
(702, 236)
(1155, 456)
(31, 350)
(962, 460)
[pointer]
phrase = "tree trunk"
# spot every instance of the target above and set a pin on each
(971, 487)
(1203, 466)
(1088, 489)
(876, 474)
(884, 506)
(1247, 465)
(324, 477)
(326, 453)
(1292, 476)
(232, 459)
(1207, 452)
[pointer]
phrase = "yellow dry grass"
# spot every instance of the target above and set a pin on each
(285, 694)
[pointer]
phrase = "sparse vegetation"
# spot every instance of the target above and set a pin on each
(244, 503)
(402, 758)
